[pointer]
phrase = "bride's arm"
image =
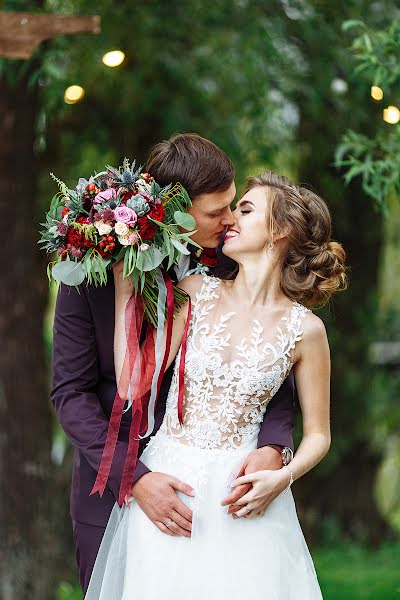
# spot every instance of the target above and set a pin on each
(123, 292)
(312, 373)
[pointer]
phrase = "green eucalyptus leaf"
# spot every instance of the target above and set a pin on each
(100, 264)
(180, 246)
(152, 258)
(69, 272)
(184, 220)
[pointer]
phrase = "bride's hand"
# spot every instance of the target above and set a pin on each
(266, 486)
(123, 285)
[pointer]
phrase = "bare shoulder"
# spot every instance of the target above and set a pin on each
(314, 338)
(313, 327)
(191, 284)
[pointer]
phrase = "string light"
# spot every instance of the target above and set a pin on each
(73, 94)
(376, 93)
(391, 115)
(113, 58)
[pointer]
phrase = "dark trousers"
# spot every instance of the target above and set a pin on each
(87, 540)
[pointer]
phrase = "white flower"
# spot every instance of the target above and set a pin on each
(143, 247)
(121, 228)
(143, 188)
(103, 228)
(124, 240)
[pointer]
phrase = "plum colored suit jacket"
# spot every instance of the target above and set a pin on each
(83, 390)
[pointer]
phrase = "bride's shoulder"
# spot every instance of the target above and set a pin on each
(313, 328)
(193, 284)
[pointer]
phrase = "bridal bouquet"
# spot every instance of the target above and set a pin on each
(118, 214)
(124, 214)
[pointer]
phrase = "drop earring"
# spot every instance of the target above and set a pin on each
(271, 246)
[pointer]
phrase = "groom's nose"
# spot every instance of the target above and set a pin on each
(227, 217)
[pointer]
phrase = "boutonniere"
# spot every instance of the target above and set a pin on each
(206, 258)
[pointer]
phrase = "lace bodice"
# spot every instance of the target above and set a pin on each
(231, 371)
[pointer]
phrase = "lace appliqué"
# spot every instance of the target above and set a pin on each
(225, 401)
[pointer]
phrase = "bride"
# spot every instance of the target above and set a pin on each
(246, 332)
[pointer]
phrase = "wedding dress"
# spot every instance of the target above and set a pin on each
(230, 376)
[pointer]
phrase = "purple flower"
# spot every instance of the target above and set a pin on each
(62, 229)
(76, 253)
(124, 214)
(108, 214)
(105, 196)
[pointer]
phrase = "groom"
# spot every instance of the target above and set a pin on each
(84, 383)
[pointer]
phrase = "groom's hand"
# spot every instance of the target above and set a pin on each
(266, 458)
(156, 495)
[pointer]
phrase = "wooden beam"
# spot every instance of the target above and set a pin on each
(21, 32)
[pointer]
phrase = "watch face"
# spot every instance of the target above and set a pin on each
(287, 455)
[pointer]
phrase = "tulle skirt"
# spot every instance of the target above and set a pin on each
(264, 558)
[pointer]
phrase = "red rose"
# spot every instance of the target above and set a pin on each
(157, 213)
(147, 230)
(125, 196)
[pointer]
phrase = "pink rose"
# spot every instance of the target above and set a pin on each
(105, 196)
(124, 214)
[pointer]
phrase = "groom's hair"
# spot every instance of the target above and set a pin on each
(195, 162)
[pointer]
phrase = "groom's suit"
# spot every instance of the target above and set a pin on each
(83, 392)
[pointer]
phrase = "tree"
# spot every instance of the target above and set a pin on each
(32, 501)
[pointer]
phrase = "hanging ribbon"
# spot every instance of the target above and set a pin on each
(181, 373)
(143, 369)
(134, 314)
(162, 345)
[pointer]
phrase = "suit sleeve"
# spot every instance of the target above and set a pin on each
(74, 382)
(278, 424)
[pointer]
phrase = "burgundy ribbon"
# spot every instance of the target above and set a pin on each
(136, 376)
(139, 394)
(134, 313)
(181, 374)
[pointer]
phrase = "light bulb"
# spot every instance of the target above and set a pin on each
(113, 58)
(73, 94)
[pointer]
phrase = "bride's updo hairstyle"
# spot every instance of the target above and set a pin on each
(313, 266)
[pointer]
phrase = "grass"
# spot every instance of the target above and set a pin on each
(345, 572)
(349, 572)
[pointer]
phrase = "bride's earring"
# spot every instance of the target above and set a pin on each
(271, 246)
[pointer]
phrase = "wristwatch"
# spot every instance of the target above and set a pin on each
(286, 453)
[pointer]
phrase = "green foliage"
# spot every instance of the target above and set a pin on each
(374, 159)
(376, 51)
(69, 272)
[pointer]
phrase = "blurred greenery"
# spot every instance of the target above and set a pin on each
(375, 159)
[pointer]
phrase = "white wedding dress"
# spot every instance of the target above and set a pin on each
(229, 379)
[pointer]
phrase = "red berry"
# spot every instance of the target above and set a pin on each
(91, 187)
(110, 238)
